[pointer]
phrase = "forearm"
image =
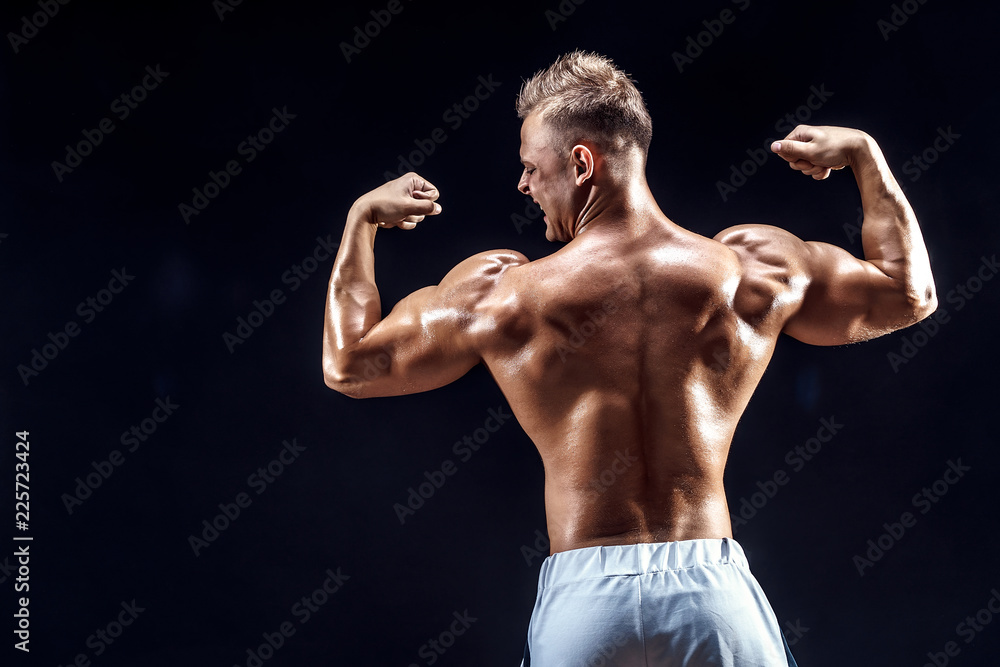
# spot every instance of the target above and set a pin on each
(353, 305)
(890, 235)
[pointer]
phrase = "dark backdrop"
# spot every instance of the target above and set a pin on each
(860, 567)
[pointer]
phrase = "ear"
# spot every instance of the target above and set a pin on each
(583, 163)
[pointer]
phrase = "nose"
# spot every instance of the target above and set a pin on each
(522, 185)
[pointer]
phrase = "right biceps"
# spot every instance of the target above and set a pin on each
(420, 345)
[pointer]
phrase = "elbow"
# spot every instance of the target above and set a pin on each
(338, 383)
(906, 309)
(924, 303)
(336, 378)
(929, 307)
(915, 307)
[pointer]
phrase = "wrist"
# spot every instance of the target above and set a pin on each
(361, 213)
(865, 153)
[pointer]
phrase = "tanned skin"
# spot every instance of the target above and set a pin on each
(638, 340)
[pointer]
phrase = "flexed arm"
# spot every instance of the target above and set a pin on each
(848, 299)
(428, 339)
(353, 305)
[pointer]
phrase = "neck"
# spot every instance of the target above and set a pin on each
(616, 204)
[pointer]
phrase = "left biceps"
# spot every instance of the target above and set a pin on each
(848, 299)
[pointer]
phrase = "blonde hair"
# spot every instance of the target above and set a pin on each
(584, 96)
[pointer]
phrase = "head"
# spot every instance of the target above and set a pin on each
(585, 127)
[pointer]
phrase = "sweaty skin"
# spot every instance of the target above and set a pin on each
(629, 355)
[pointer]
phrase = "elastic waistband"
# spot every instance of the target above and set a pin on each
(631, 559)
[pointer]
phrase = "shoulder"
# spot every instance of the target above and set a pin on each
(481, 296)
(753, 238)
(766, 245)
(484, 269)
(474, 279)
(488, 263)
(774, 267)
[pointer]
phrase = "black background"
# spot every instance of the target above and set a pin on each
(469, 546)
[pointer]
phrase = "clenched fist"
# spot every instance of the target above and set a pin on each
(402, 202)
(816, 151)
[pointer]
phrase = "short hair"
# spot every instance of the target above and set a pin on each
(584, 96)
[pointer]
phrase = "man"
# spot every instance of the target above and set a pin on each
(639, 339)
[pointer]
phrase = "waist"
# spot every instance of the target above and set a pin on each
(624, 516)
(636, 559)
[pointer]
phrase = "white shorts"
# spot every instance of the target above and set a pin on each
(688, 603)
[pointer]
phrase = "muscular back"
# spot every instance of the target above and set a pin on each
(628, 357)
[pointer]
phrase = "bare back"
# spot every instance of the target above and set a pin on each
(628, 357)
(630, 354)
